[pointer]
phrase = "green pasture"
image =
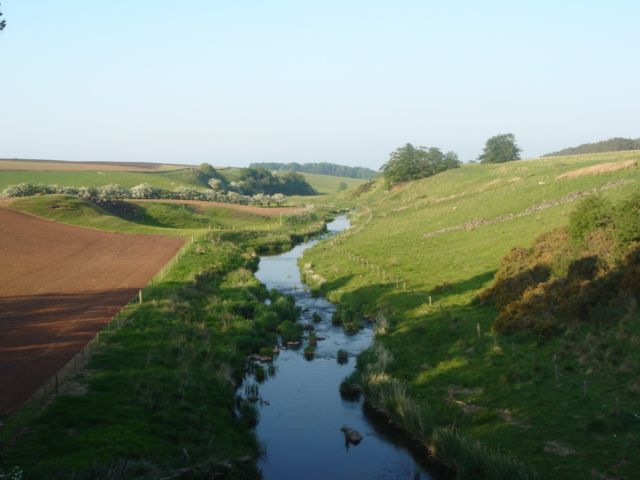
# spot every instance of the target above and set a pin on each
(501, 390)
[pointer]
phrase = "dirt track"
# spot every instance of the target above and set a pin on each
(264, 211)
(59, 285)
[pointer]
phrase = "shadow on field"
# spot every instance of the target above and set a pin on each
(474, 283)
(40, 333)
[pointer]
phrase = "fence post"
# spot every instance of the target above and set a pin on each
(429, 300)
(139, 296)
(478, 329)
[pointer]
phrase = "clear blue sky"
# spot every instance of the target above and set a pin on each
(232, 82)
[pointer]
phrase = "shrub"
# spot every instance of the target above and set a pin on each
(627, 221)
(144, 190)
(591, 213)
(290, 331)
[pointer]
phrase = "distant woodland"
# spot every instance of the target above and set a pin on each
(322, 168)
(616, 144)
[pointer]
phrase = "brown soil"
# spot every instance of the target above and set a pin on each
(598, 169)
(61, 165)
(264, 211)
(59, 285)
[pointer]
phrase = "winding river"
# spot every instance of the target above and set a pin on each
(302, 412)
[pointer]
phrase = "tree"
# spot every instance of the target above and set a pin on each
(499, 149)
(3, 23)
(410, 163)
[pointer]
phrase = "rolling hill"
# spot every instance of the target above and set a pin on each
(419, 257)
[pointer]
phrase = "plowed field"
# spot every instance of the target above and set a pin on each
(59, 285)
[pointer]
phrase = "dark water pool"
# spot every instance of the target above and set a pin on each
(300, 425)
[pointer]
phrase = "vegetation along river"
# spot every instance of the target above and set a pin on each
(301, 410)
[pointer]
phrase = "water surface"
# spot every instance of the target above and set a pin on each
(300, 425)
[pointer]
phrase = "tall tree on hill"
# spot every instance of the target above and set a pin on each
(3, 23)
(500, 148)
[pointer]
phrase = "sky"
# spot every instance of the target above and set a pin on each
(240, 81)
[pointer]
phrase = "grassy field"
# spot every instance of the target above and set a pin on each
(149, 217)
(329, 183)
(170, 179)
(157, 396)
(60, 165)
(418, 256)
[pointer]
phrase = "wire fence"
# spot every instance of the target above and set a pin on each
(543, 368)
(54, 385)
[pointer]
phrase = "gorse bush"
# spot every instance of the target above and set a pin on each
(627, 220)
(591, 213)
(591, 275)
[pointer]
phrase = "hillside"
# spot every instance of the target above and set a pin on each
(617, 144)
(418, 259)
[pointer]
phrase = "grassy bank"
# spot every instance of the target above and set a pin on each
(157, 396)
(418, 257)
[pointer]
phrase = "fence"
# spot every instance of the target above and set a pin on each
(552, 371)
(54, 384)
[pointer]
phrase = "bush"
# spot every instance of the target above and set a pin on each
(627, 221)
(591, 213)
(290, 331)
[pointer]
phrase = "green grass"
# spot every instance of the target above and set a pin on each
(170, 179)
(329, 183)
(151, 217)
(159, 391)
(436, 347)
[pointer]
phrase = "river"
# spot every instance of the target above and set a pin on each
(302, 411)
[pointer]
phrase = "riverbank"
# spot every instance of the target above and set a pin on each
(301, 410)
(157, 396)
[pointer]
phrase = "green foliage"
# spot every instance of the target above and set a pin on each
(290, 331)
(499, 149)
(627, 220)
(259, 180)
(591, 213)
(616, 144)
(322, 168)
(410, 163)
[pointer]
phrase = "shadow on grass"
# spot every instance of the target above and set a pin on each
(474, 283)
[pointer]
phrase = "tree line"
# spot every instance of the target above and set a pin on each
(412, 163)
(254, 181)
(322, 168)
(616, 144)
